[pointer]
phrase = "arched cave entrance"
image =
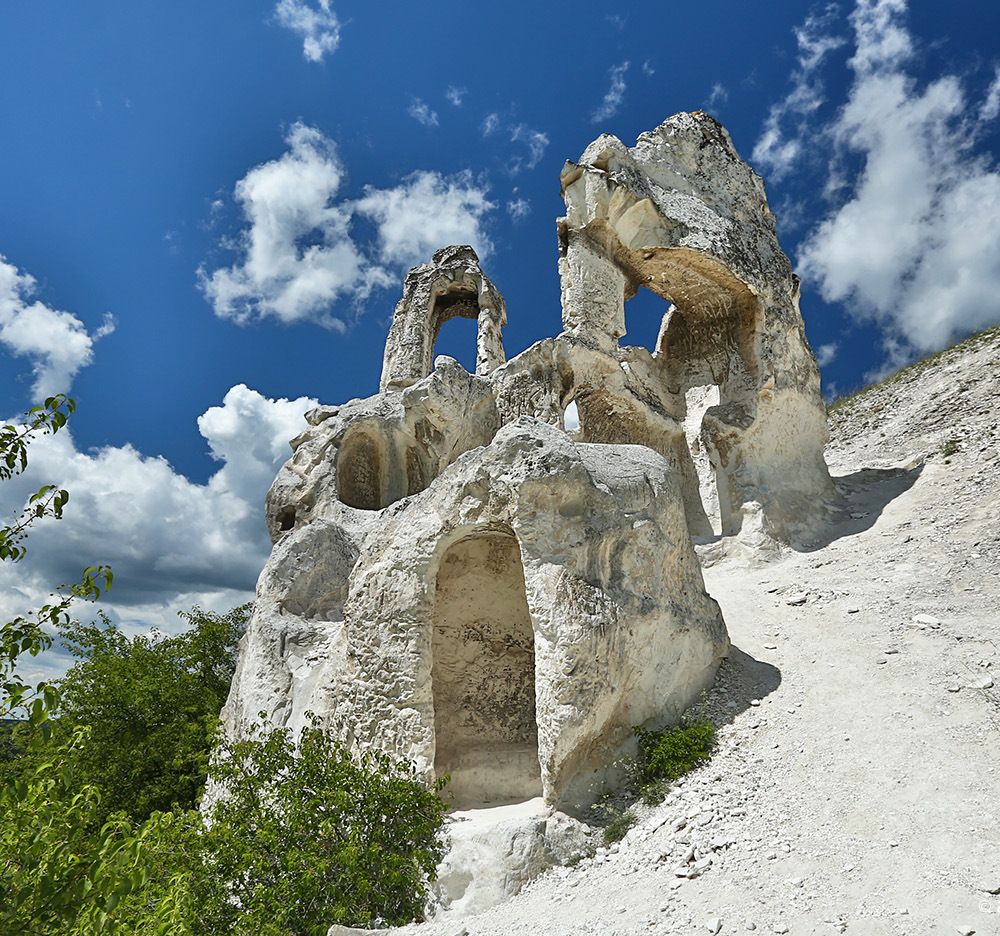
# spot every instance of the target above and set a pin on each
(708, 361)
(707, 351)
(483, 674)
(361, 470)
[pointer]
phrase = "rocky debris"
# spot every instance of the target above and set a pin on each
(493, 853)
(912, 414)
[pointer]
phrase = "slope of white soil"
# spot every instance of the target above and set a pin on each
(857, 783)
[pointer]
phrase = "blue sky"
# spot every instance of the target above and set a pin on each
(197, 197)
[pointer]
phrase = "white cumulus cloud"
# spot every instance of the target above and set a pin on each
(171, 542)
(425, 212)
(56, 343)
(298, 256)
(914, 244)
(314, 22)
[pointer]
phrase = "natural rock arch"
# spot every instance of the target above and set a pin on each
(451, 285)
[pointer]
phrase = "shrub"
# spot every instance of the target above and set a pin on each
(300, 840)
(617, 828)
(665, 756)
(151, 703)
(296, 843)
(62, 873)
(950, 448)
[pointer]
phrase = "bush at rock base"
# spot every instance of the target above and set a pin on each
(665, 756)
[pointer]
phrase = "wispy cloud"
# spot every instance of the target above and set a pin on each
(455, 96)
(991, 103)
(529, 144)
(612, 100)
(518, 208)
(56, 343)
(826, 353)
(781, 141)
(647, 69)
(718, 96)
(422, 113)
(315, 22)
(535, 143)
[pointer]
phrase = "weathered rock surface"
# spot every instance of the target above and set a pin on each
(460, 582)
(493, 853)
(682, 215)
(548, 587)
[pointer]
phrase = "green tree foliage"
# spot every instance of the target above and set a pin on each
(62, 873)
(303, 839)
(14, 441)
(58, 874)
(151, 703)
(33, 634)
(300, 836)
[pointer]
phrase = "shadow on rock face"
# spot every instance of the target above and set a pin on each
(866, 494)
(742, 681)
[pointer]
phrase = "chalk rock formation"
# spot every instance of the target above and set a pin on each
(682, 215)
(507, 625)
(458, 580)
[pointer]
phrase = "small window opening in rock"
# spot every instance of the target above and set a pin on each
(457, 338)
(571, 419)
(643, 315)
(286, 519)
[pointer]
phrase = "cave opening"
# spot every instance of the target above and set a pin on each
(483, 674)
